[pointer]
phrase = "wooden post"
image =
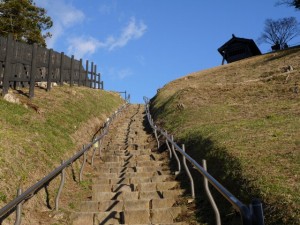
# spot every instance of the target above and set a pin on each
(79, 79)
(100, 81)
(62, 56)
(50, 68)
(8, 58)
(102, 85)
(72, 71)
(223, 60)
(92, 73)
(95, 76)
(86, 73)
(33, 70)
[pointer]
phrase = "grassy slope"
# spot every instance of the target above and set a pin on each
(244, 119)
(34, 138)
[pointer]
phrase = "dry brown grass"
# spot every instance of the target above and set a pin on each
(247, 112)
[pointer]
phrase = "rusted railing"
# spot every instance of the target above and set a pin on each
(250, 215)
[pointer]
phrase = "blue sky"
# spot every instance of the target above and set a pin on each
(140, 45)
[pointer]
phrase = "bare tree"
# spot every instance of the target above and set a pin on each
(279, 32)
(292, 3)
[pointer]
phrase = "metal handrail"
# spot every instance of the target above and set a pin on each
(30, 192)
(252, 215)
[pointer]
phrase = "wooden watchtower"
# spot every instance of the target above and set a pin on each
(238, 48)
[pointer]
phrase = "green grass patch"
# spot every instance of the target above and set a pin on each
(35, 135)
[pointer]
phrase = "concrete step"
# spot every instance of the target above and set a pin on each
(136, 163)
(128, 157)
(154, 216)
(142, 186)
(111, 217)
(180, 223)
(132, 185)
(105, 196)
(131, 180)
(136, 147)
(112, 187)
(119, 205)
(165, 215)
(96, 218)
(80, 218)
(135, 195)
(114, 205)
(125, 169)
(137, 217)
(158, 186)
(126, 174)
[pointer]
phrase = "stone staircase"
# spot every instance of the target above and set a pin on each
(132, 185)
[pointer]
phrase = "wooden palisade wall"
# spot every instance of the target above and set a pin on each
(23, 65)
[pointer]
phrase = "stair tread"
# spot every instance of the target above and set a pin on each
(131, 185)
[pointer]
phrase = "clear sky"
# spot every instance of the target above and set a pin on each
(140, 45)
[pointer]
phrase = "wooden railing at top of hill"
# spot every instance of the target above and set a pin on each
(23, 65)
(250, 215)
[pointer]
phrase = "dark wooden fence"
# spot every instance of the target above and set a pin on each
(22, 65)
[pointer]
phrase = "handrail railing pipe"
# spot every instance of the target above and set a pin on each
(169, 148)
(188, 173)
(62, 182)
(19, 209)
(83, 164)
(31, 191)
(156, 136)
(252, 215)
(177, 159)
(100, 145)
(210, 197)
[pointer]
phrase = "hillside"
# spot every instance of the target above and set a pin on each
(36, 135)
(243, 118)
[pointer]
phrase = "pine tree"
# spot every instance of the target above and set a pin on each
(24, 20)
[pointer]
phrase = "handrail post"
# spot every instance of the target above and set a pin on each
(95, 146)
(19, 209)
(210, 197)
(257, 212)
(62, 182)
(177, 159)
(155, 133)
(82, 167)
(100, 143)
(170, 151)
(189, 174)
